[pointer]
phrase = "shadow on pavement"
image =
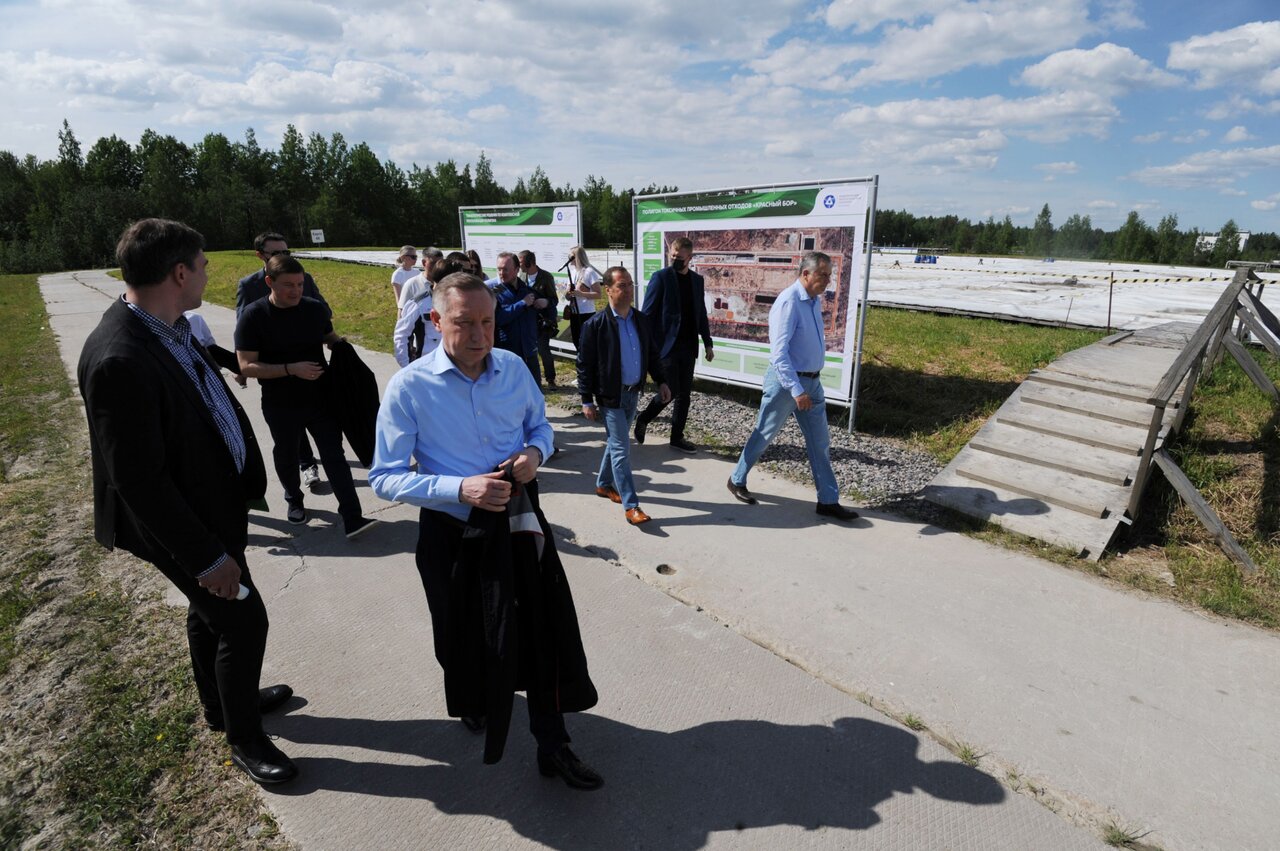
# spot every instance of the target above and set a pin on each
(662, 789)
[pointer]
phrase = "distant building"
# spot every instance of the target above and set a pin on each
(1207, 242)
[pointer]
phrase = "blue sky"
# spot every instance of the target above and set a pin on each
(977, 108)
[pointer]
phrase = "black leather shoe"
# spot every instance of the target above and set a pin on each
(683, 445)
(572, 770)
(263, 762)
(741, 494)
(641, 425)
(270, 699)
(474, 723)
(836, 510)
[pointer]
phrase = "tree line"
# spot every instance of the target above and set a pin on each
(67, 212)
(1135, 241)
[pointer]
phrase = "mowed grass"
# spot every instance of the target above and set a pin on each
(364, 309)
(1230, 449)
(933, 379)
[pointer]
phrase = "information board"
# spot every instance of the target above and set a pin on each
(548, 230)
(747, 245)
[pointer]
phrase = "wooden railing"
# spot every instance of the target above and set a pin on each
(1214, 337)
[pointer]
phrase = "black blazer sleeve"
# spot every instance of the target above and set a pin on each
(589, 359)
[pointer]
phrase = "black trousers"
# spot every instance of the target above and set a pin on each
(227, 639)
(306, 455)
(439, 536)
(288, 424)
(678, 366)
(544, 352)
(576, 321)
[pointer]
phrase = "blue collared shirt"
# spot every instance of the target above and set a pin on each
(454, 427)
(629, 346)
(796, 336)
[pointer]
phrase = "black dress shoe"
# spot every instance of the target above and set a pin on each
(474, 723)
(572, 770)
(641, 425)
(741, 494)
(683, 445)
(270, 699)
(263, 762)
(836, 510)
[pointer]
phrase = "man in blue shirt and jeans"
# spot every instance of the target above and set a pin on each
(793, 384)
(614, 353)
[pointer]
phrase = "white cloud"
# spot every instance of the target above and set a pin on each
(1107, 69)
(1235, 106)
(1264, 206)
(981, 33)
(865, 15)
(1232, 192)
(1149, 138)
(1191, 136)
(1058, 168)
(1247, 55)
(1051, 117)
(1102, 205)
(788, 148)
(1237, 134)
(492, 112)
(1212, 168)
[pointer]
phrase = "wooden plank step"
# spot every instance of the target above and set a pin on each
(1120, 370)
(1056, 487)
(1107, 388)
(1095, 405)
(1085, 536)
(1082, 429)
(1057, 453)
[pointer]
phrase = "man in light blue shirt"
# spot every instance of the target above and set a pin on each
(793, 383)
(473, 418)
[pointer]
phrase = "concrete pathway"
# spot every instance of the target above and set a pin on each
(727, 678)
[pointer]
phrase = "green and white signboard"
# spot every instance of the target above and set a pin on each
(548, 230)
(747, 245)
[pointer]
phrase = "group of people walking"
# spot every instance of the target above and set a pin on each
(461, 433)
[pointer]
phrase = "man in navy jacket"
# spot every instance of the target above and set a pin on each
(517, 313)
(675, 308)
(614, 353)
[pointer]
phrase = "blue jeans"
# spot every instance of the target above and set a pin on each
(615, 466)
(775, 406)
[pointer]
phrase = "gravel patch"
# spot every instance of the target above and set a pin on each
(878, 472)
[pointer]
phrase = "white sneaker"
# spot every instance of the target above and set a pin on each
(311, 478)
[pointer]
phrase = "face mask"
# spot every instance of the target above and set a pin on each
(677, 263)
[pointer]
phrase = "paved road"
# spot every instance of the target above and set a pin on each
(727, 714)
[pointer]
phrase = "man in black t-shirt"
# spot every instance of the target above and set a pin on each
(253, 287)
(279, 341)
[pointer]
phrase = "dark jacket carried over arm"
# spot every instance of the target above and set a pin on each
(354, 399)
(600, 358)
(492, 648)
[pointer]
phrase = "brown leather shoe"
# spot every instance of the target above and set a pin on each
(609, 494)
(635, 516)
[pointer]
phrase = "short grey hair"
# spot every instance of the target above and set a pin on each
(813, 259)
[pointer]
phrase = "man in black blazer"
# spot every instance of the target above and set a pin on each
(175, 465)
(676, 310)
(615, 351)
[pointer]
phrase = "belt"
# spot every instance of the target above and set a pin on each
(632, 388)
(809, 374)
